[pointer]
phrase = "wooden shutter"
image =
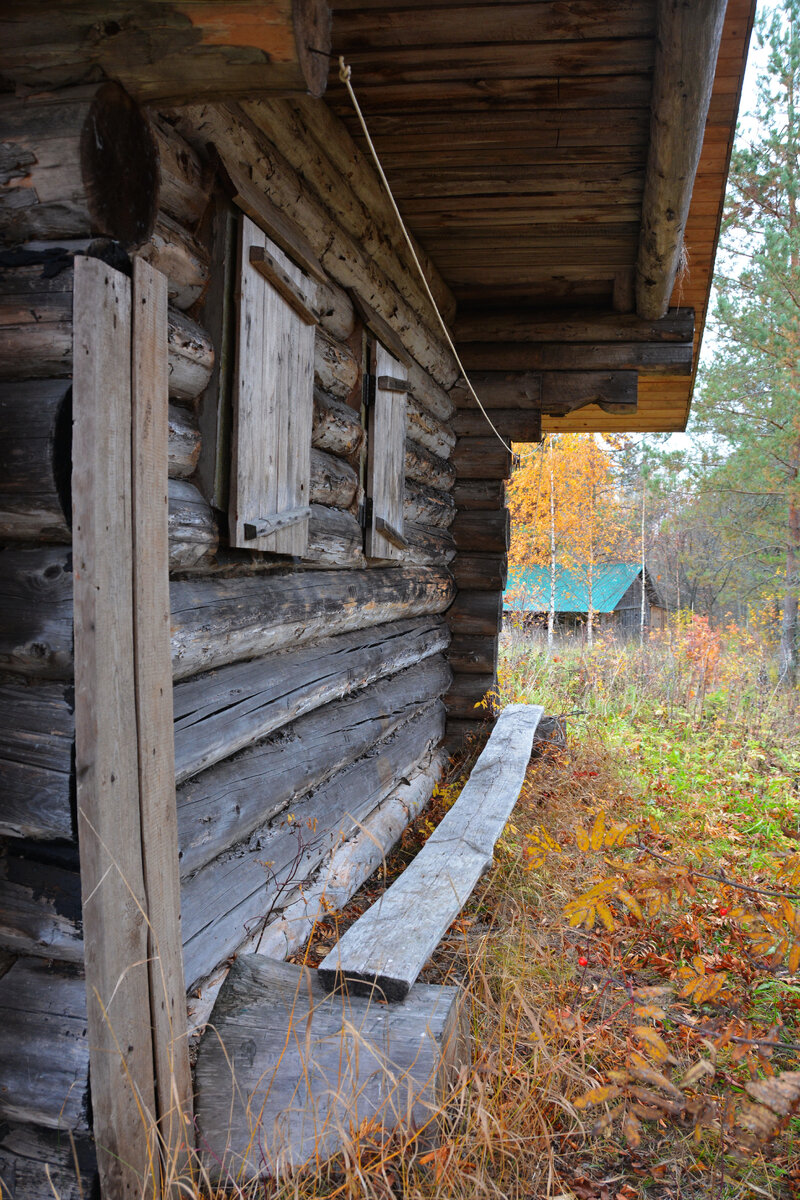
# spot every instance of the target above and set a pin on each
(386, 456)
(273, 399)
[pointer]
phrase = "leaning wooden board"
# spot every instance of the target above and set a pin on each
(387, 948)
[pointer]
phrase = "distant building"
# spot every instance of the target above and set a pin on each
(616, 596)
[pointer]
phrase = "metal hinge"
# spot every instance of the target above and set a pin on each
(365, 513)
(368, 390)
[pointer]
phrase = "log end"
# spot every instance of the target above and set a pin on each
(120, 167)
(312, 31)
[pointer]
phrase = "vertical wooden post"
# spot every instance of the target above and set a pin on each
(109, 829)
(153, 680)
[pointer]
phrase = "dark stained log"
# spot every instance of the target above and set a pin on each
(176, 253)
(564, 392)
(488, 531)
(335, 538)
(186, 180)
(648, 358)
(336, 427)
(476, 612)
(239, 141)
(426, 468)
(183, 447)
(37, 730)
(500, 389)
(481, 572)
(555, 393)
(428, 393)
(479, 493)
(481, 458)
(428, 431)
(281, 1107)
(226, 900)
(578, 325)
(333, 481)
(36, 330)
(688, 39)
(428, 545)
(76, 163)
(219, 714)
(223, 805)
(35, 1162)
(177, 51)
(36, 612)
(428, 506)
(461, 734)
(521, 424)
(467, 694)
(44, 1050)
(35, 460)
(193, 532)
(40, 909)
(223, 620)
(336, 369)
(473, 655)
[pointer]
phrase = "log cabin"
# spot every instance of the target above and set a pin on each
(253, 525)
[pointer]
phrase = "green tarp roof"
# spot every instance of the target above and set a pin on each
(528, 588)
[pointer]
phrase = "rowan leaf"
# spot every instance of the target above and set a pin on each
(597, 1095)
(781, 1094)
(606, 916)
(654, 1043)
(597, 836)
(697, 1072)
(582, 839)
(640, 1069)
(632, 1129)
(649, 1010)
(631, 903)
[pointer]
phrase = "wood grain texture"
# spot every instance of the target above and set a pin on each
(383, 953)
(109, 828)
(386, 458)
(273, 402)
(290, 1069)
(37, 732)
(154, 723)
(34, 1160)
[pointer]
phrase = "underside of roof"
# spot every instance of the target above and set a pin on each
(516, 137)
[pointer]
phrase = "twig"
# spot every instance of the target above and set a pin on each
(741, 1041)
(715, 878)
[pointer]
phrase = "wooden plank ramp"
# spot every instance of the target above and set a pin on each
(385, 950)
(287, 1073)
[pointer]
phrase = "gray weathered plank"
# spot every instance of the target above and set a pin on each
(40, 909)
(390, 944)
(38, 1164)
(386, 459)
(286, 1072)
(37, 731)
(109, 828)
(228, 899)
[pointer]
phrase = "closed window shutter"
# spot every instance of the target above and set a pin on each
(273, 399)
(386, 461)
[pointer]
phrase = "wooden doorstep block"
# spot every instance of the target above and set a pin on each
(287, 1073)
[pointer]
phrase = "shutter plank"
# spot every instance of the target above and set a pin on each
(387, 439)
(273, 404)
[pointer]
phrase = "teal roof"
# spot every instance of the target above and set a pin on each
(528, 588)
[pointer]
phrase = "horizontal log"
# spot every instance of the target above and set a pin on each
(476, 612)
(488, 531)
(521, 425)
(36, 612)
(177, 253)
(554, 393)
(76, 163)
(36, 332)
(336, 427)
(335, 310)
(37, 733)
(481, 458)
(426, 468)
(428, 506)
(228, 898)
(500, 389)
(333, 481)
(429, 394)
(44, 1050)
(176, 55)
(482, 572)
(428, 545)
(335, 538)
(473, 655)
(224, 620)
(40, 910)
(226, 803)
(193, 531)
(576, 325)
(428, 431)
(219, 714)
(186, 179)
(648, 358)
(462, 733)
(183, 445)
(336, 369)
(471, 695)
(37, 1163)
(479, 493)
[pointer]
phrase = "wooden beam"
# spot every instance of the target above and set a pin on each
(572, 325)
(688, 40)
(516, 401)
(523, 425)
(153, 681)
(180, 51)
(106, 767)
(648, 358)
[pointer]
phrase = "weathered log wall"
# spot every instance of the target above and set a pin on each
(308, 694)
